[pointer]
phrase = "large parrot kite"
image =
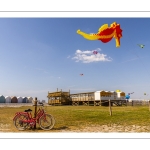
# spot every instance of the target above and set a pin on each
(105, 33)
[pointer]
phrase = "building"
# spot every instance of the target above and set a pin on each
(59, 98)
(96, 98)
(19, 99)
(2, 99)
(30, 99)
(14, 99)
(8, 99)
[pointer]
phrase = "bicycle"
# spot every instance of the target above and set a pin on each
(23, 120)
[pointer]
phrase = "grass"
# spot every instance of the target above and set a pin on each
(76, 117)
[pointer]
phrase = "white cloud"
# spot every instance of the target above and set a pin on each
(87, 56)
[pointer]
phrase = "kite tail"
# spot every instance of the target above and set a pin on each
(88, 36)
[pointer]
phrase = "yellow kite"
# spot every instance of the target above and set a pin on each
(105, 33)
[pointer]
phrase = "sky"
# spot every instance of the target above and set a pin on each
(42, 54)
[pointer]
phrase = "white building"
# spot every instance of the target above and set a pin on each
(30, 99)
(8, 99)
(19, 99)
(109, 95)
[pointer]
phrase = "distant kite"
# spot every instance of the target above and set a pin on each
(81, 74)
(95, 52)
(130, 93)
(105, 33)
(127, 97)
(141, 45)
(144, 93)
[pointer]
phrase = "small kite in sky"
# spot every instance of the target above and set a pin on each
(95, 52)
(130, 93)
(144, 93)
(141, 45)
(81, 74)
(105, 33)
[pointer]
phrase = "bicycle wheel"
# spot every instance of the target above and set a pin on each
(46, 122)
(19, 122)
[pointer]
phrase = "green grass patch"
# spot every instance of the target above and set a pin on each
(75, 117)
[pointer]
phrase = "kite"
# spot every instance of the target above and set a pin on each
(127, 97)
(141, 45)
(81, 74)
(95, 52)
(130, 93)
(105, 33)
(144, 93)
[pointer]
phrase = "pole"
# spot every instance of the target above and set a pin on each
(132, 102)
(35, 111)
(110, 110)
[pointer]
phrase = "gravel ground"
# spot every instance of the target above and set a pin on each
(114, 128)
(99, 128)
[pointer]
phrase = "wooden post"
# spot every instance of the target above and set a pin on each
(110, 110)
(126, 102)
(88, 99)
(35, 104)
(149, 105)
(132, 102)
(48, 98)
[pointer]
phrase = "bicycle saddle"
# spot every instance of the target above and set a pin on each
(28, 110)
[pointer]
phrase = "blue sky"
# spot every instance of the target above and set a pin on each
(37, 57)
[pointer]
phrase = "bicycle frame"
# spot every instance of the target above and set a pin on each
(31, 120)
(23, 120)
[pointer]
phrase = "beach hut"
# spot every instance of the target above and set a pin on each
(30, 99)
(24, 99)
(14, 99)
(2, 99)
(19, 99)
(8, 99)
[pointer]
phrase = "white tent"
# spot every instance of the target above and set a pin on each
(8, 99)
(19, 99)
(30, 99)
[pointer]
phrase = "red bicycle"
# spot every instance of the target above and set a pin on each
(23, 120)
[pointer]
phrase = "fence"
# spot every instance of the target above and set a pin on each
(138, 103)
(15, 104)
